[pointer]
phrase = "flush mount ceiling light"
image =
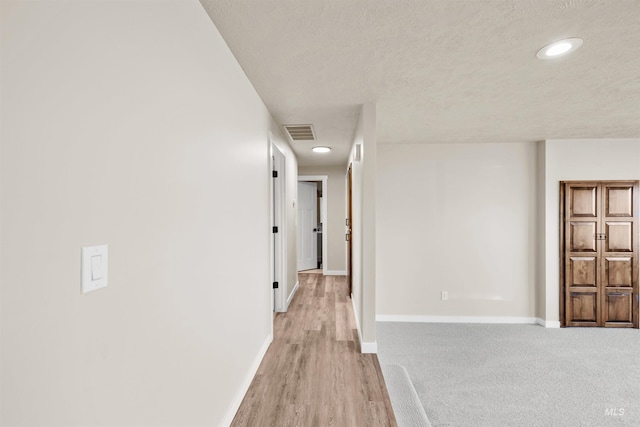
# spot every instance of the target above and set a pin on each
(321, 149)
(559, 48)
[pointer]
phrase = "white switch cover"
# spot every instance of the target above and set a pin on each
(94, 267)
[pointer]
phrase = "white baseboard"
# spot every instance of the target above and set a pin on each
(369, 347)
(365, 347)
(468, 319)
(237, 401)
(293, 292)
(334, 273)
(548, 323)
(456, 319)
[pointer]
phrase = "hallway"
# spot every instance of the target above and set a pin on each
(313, 373)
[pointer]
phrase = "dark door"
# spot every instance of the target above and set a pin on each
(600, 253)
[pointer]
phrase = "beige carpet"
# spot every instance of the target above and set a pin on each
(474, 375)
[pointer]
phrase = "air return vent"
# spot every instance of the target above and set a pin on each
(300, 132)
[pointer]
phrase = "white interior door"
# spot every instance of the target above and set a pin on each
(279, 238)
(307, 226)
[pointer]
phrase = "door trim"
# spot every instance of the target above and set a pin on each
(563, 323)
(323, 213)
(349, 227)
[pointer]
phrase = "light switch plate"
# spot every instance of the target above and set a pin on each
(94, 267)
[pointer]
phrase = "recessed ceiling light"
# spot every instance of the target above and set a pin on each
(321, 149)
(559, 48)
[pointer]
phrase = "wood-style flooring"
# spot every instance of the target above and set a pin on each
(313, 374)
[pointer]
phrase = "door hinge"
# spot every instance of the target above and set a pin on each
(275, 285)
(275, 229)
(274, 174)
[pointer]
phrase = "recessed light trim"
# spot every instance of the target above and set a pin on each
(559, 48)
(321, 149)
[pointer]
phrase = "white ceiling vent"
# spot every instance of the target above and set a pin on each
(300, 132)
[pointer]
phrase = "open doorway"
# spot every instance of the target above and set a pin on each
(312, 223)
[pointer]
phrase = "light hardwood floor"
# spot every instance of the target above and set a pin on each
(313, 373)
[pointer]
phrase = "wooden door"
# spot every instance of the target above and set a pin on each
(600, 253)
(619, 256)
(582, 214)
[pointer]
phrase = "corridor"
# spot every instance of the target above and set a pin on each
(313, 373)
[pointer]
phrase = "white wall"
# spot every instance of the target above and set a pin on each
(291, 195)
(575, 160)
(130, 124)
(458, 218)
(356, 226)
(336, 213)
(364, 227)
(541, 232)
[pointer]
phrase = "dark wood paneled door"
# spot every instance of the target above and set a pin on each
(600, 254)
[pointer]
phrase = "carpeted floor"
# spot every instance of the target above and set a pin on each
(518, 375)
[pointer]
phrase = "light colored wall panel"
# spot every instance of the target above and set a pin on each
(574, 160)
(541, 307)
(129, 124)
(369, 226)
(291, 194)
(356, 228)
(364, 226)
(458, 218)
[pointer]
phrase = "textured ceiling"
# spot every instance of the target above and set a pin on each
(439, 70)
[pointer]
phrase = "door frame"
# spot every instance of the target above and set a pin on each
(563, 320)
(323, 213)
(278, 217)
(636, 206)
